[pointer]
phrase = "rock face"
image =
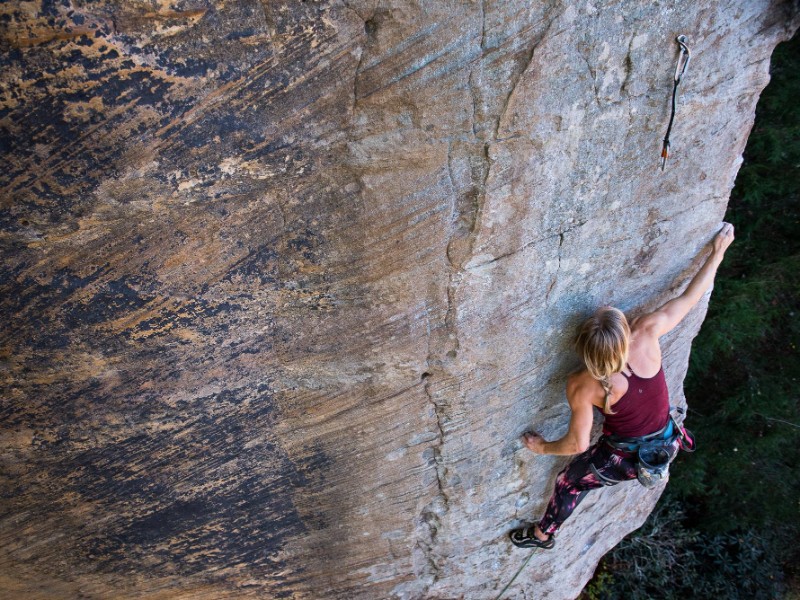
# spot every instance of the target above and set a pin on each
(283, 282)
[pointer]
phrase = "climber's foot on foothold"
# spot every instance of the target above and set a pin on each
(525, 537)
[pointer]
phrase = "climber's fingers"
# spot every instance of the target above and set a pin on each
(723, 238)
(533, 441)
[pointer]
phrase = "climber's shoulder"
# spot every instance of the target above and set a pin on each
(647, 325)
(582, 388)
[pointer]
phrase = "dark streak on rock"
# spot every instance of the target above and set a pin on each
(151, 480)
(123, 300)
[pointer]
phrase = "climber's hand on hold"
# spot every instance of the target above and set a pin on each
(723, 239)
(533, 442)
(668, 316)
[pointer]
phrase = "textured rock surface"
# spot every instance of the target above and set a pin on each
(282, 282)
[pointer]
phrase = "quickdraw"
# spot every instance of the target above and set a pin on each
(680, 69)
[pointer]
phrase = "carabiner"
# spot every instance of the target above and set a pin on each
(683, 58)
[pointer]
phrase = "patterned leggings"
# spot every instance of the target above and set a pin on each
(577, 478)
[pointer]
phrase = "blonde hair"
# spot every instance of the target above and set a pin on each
(602, 343)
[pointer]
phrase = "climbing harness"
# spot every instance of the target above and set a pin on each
(653, 452)
(680, 69)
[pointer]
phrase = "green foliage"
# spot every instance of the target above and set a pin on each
(667, 560)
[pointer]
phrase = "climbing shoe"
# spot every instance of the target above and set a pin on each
(524, 537)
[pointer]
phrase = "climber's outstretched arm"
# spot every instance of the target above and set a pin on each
(580, 392)
(668, 316)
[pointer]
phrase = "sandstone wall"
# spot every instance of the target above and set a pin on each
(283, 282)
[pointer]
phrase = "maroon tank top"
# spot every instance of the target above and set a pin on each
(643, 409)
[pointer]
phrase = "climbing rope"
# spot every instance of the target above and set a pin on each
(508, 585)
(680, 69)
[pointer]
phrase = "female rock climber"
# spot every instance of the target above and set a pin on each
(625, 380)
